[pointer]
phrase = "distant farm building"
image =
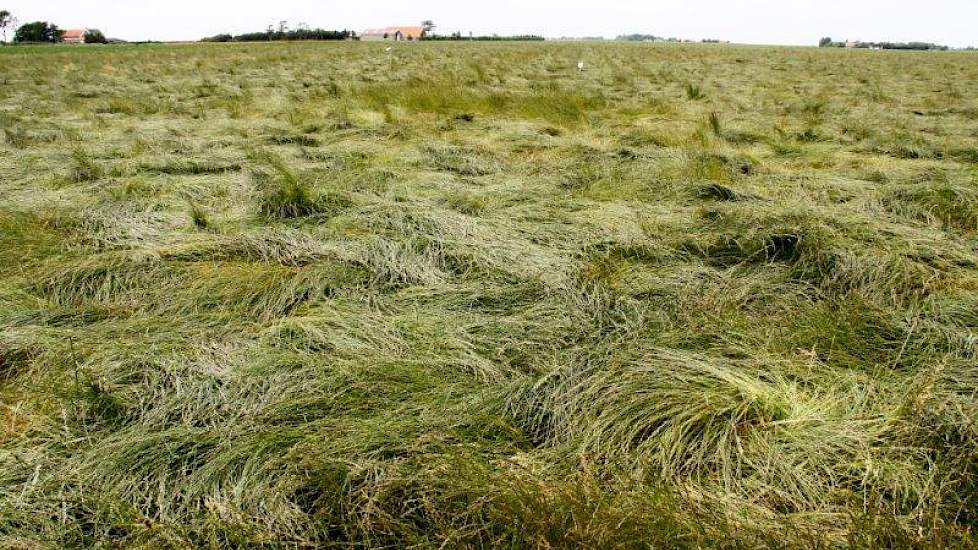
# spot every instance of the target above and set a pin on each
(74, 36)
(394, 34)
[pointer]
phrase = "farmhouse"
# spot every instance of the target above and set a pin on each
(394, 34)
(74, 36)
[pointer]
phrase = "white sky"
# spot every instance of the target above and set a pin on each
(951, 22)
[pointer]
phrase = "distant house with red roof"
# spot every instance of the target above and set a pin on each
(74, 36)
(394, 34)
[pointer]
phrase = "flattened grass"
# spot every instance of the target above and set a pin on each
(316, 295)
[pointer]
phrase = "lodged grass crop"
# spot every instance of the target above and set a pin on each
(468, 296)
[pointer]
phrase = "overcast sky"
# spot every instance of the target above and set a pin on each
(951, 22)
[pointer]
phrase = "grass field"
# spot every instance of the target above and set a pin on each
(465, 295)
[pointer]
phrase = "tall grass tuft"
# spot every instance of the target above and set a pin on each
(716, 125)
(287, 194)
(198, 215)
(85, 168)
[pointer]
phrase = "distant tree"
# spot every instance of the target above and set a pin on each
(428, 25)
(7, 21)
(825, 42)
(38, 31)
(639, 38)
(218, 38)
(904, 46)
(95, 36)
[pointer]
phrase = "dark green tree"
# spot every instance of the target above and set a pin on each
(428, 25)
(38, 31)
(95, 36)
(825, 42)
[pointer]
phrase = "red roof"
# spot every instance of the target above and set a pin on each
(413, 32)
(409, 31)
(74, 33)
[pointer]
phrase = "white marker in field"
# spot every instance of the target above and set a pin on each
(580, 66)
(389, 48)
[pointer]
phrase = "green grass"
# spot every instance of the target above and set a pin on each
(325, 295)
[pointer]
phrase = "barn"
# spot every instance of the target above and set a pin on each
(74, 36)
(394, 34)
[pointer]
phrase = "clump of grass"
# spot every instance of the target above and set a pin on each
(549, 102)
(293, 139)
(784, 247)
(15, 357)
(288, 197)
(460, 160)
(467, 203)
(185, 166)
(110, 278)
(134, 189)
(716, 125)
(129, 106)
(950, 205)
(286, 194)
(809, 135)
(198, 215)
(558, 105)
(17, 138)
(591, 169)
(967, 155)
(717, 192)
(610, 419)
(742, 236)
(265, 292)
(720, 167)
(28, 237)
(694, 92)
(236, 104)
(85, 168)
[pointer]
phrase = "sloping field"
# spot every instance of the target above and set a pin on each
(468, 296)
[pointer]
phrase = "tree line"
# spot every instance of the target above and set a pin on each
(302, 32)
(458, 36)
(284, 33)
(827, 42)
(42, 31)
